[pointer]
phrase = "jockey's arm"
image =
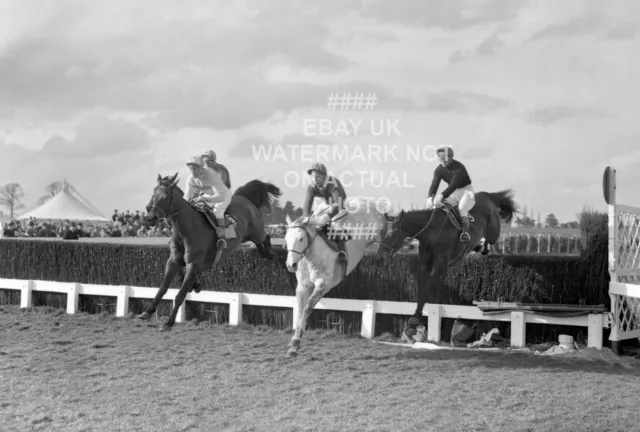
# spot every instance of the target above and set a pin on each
(213, 198)
(308, 201)
(190, 189)
(435, 183)
(337, 202)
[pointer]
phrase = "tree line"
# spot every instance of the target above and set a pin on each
(550, 221)
(11, 196)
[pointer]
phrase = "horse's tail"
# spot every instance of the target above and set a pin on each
(505, 203)
(261, 194)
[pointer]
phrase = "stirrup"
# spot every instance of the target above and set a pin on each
(465, 237)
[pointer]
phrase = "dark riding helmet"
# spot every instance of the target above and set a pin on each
(448, 151)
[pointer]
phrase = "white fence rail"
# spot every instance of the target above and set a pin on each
(369, 308)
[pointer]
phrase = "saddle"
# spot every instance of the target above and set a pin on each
(453, 214)
(207, 212)
(338, 235)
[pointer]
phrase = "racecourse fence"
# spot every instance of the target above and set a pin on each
(516, 242)
(595, 323)
(522, 242)
(624, 264)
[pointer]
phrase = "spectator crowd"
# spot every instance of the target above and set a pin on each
(125, 224)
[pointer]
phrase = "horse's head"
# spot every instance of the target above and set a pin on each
(163, 203)
(298, 239)
(392, 239)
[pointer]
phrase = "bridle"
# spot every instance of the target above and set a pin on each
(309, 240)
(172, 201)
(392, 251)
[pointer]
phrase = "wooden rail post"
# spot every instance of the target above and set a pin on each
(594, 331)
(518, 329)
(235, 309)
(122, 307)
(26, 294)
(72, 298)
(368, 328)
(434, 312)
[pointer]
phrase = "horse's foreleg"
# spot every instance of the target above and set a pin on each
(171, 269)
(303, 291)
(268, 249)
(263, 243)
(189, 279)
(305, 309)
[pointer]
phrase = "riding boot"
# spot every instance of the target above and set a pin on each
(220, 230)
(342, 254)
(465, 237)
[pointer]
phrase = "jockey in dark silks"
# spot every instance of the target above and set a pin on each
(331, 190)
(209, 159)
(459, 193)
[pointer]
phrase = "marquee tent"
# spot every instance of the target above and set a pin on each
(64, 206)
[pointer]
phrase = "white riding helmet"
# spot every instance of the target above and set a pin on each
(195, 160)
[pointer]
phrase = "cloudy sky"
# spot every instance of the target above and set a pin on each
(534, 96)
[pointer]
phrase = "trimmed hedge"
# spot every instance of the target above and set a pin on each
(534, 279)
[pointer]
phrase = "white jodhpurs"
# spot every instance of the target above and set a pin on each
(464, 198)
(220, 208)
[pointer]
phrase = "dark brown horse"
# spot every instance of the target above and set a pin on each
(439, 240)
(194, 243)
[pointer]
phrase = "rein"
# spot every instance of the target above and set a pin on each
(167, 214)
(413, 237)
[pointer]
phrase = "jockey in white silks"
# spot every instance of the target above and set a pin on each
(459, 192)
(204, 184)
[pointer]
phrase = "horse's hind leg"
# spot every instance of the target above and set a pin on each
(266, 245)
(196, 285)
(171, 269)
(262, 241)
(190, 277)
(492, 233)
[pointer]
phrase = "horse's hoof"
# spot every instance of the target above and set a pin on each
(165, 328)
(143, 316)
(420, 335)
(292, 353)
(295, 343)
(408, 339)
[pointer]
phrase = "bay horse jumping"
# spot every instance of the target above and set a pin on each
(194, 243)
(438, 233)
